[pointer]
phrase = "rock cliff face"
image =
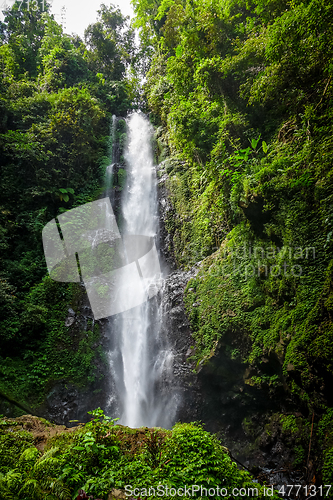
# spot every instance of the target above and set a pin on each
(215, 390)
(66, 401)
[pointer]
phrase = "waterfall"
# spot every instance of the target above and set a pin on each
(141, 361)
(112, 155)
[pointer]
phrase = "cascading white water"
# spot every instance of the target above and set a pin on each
(109, 168)
(139, 205)
(141, 362)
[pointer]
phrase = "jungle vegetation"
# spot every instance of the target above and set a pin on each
(57, 96)
(240, 94)
(101, 457)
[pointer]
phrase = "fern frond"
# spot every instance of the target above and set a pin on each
(32, 488)
(50, 453)
(13, 480)
(61, 490)
(27, 459)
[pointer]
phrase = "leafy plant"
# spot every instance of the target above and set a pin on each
(180, 457)
(63, 194)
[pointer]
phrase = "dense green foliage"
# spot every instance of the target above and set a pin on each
(242, 94)
(101, 456)
(57, 96)
(241, 97)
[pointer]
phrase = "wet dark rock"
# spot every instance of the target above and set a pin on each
(218, 391)
(69, 321)
(70, 318)
(164, 240)
(66, 401)
(253, 211)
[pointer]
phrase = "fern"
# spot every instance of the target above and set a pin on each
(32, 487)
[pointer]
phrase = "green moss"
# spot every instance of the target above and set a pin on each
(12, 443)
(328, 466)
(300, 456)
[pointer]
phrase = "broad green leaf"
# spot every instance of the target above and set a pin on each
(254, 142)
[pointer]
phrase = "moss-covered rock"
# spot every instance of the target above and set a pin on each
(104, 461)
